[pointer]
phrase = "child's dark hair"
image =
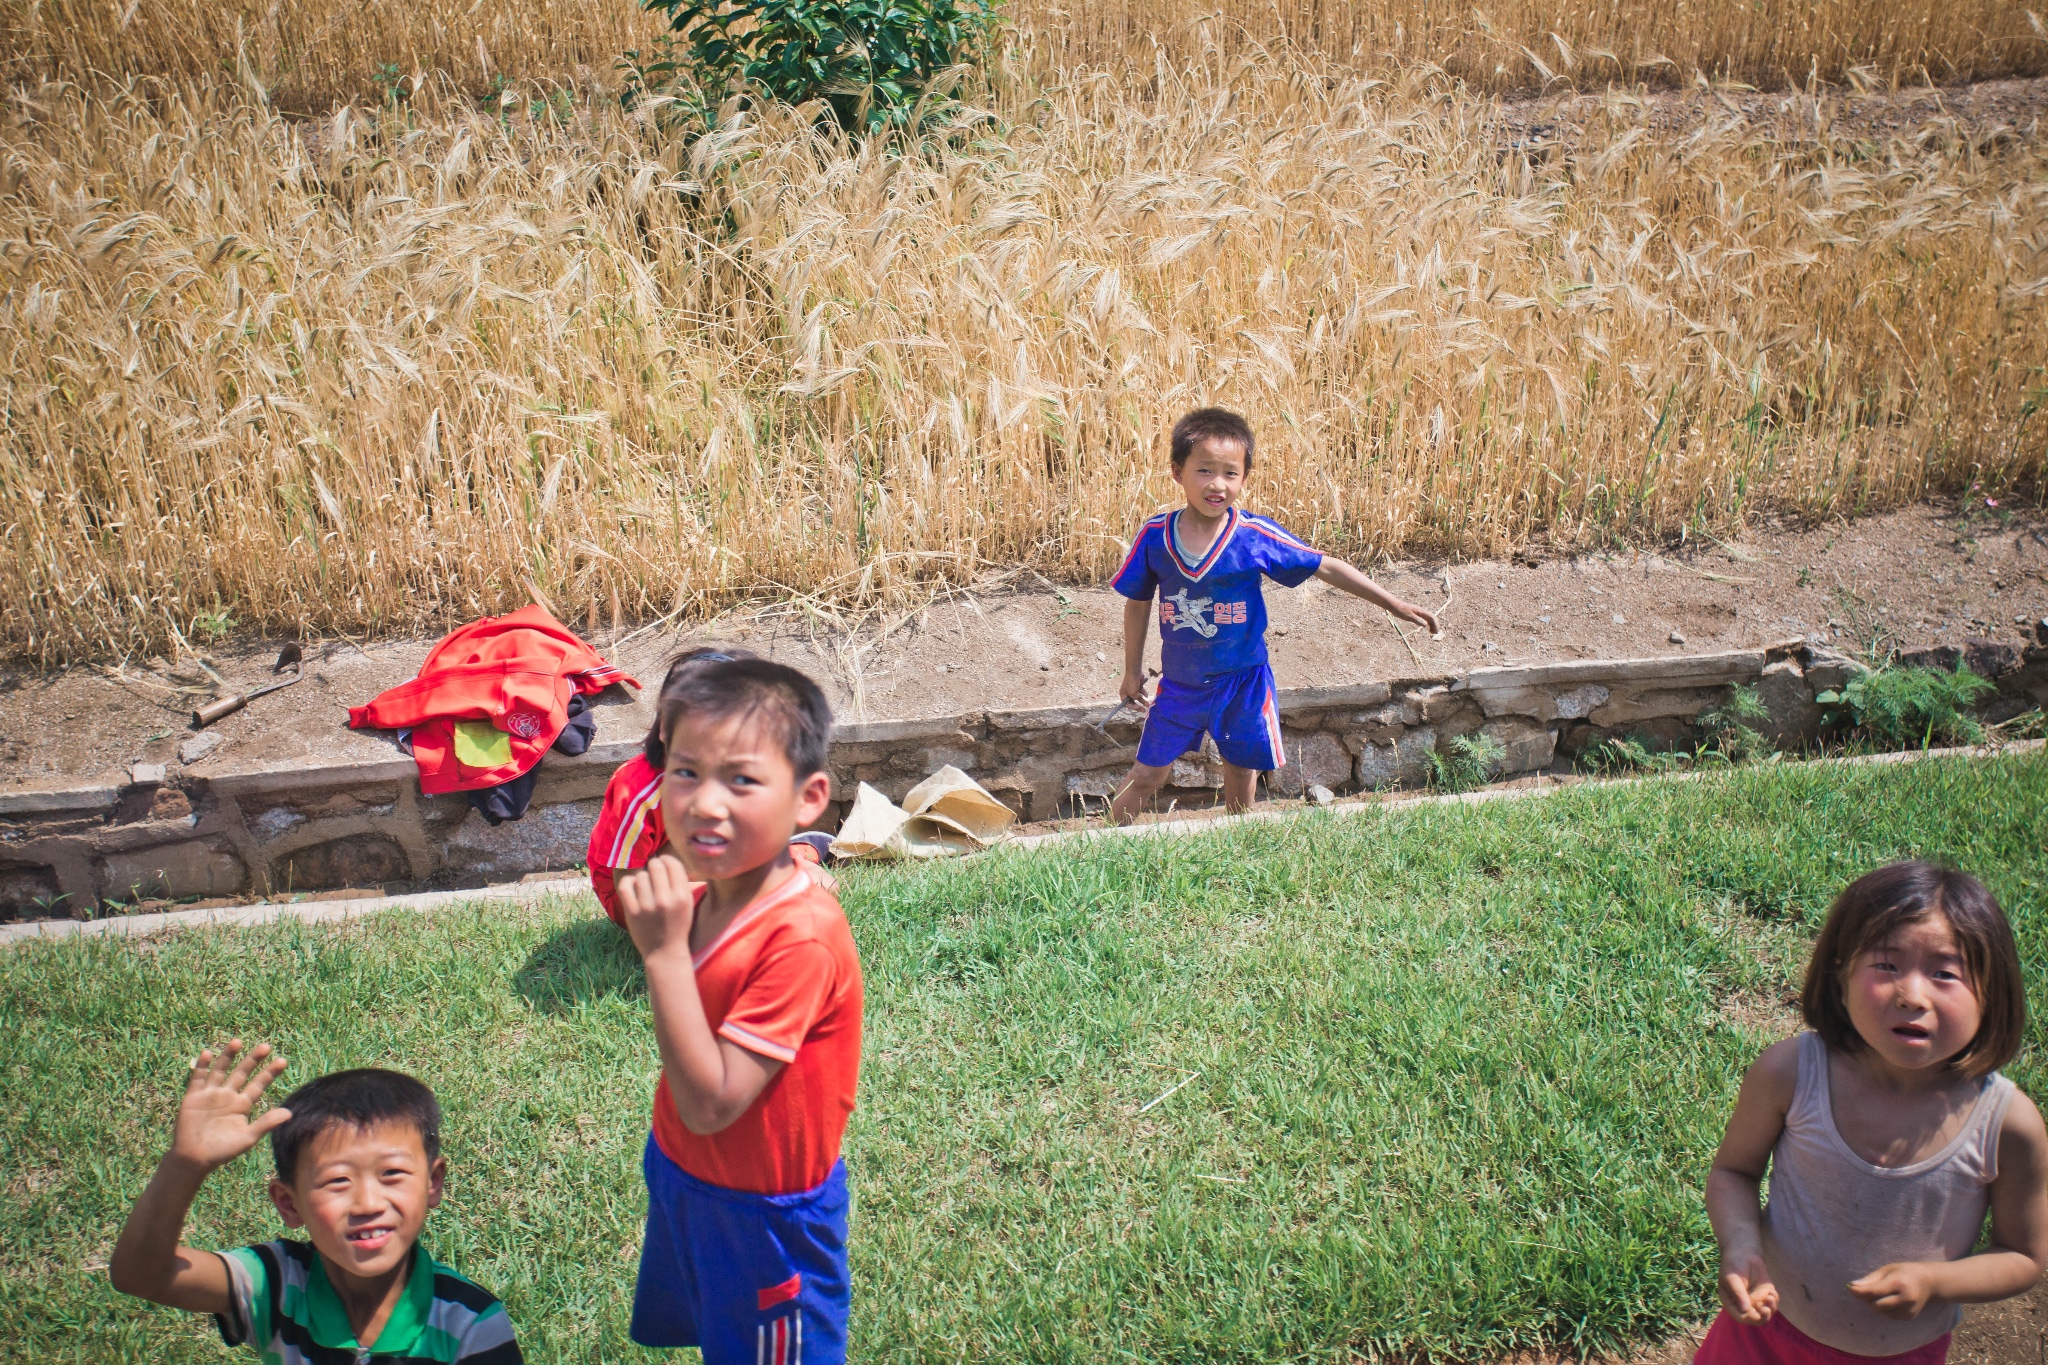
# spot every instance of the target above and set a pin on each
(720, 684)
(360, 1099)
(655, 746)
(1211, 424)
(1879, 904)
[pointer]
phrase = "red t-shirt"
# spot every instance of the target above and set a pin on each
(783, 981)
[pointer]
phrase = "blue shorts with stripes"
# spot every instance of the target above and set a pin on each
(1238, 710)
(752, 1279)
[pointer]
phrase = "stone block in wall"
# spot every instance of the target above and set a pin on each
(1034, 787)
(1633, 705)
(1943, 657)
(1544, 703)
(352, 860)
(197, 867)
(923, 762)
(29, 889)
(1788, 696)
(1193, 772)
(1296, 699)
(1669, 670)
(1378, 727)
(1316, 758)
(1403, 762)
(274, 807)
(1990, 658)
(548, 837)
(1527, 747)
(1826, 670)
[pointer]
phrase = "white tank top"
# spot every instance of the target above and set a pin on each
(1833, 1217)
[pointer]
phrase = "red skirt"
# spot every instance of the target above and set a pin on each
(1778, 1342)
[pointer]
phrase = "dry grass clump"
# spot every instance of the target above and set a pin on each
(1511, 45)
(311, 55)
(376, 374)
(314, 54)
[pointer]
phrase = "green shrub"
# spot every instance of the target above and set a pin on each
(1912, 706)
(1729, 731)
(1468, 763)
(869, 61)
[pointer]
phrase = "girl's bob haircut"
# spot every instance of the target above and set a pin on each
(1876, 906)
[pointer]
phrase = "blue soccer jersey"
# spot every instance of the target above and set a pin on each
(1212, 613)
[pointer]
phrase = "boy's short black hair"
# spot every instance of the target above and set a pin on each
(1210, 424)
(655, 746)
(1877, 905)
(745, 685)
(360, 1099)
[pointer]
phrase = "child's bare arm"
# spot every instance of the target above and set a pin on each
(213, 1129)
(711, 1079)
(2019, 1234)
(1735, 1182)
(1338, 574)
(1137, 621)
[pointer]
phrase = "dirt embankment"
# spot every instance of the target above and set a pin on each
(1922, 577)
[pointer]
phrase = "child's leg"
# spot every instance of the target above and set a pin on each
(1174, 723)
(1247, 734)
(1240, 787)
(1137, 791)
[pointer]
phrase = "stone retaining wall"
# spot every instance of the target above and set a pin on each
(367, 825)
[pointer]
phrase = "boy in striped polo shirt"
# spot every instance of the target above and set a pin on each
(359, 1167)
(1205, 564)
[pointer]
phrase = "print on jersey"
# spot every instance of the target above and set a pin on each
(1188, 614)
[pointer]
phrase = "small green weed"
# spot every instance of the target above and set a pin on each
(1730, 729)
(1912, 706)
(1467, 763)
(2028, 725)
(1615, 757)
(1728, 736)
(209, 626)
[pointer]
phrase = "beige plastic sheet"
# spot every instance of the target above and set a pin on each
(946, 814)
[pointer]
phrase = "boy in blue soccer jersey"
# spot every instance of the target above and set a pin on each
(1204, 563)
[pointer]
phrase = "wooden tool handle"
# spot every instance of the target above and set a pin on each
(216, 710)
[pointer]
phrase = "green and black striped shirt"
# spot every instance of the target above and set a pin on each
(285, 1308)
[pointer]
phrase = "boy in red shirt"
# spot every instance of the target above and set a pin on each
(756, 994)
(629, 831)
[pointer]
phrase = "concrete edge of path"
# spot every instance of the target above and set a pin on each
(521, 893)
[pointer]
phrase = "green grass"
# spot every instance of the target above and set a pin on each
(1460, 1069)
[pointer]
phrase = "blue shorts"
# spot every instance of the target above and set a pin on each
(753, 1279)
(1238, 710)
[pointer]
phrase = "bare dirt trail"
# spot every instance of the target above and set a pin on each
(1921, 577)
(1990, 113)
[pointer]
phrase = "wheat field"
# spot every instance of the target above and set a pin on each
(316, 53)
(403, 364)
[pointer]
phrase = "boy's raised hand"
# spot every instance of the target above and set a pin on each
(659, 905)
(214, 1126)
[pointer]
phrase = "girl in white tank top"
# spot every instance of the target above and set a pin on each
(1888, 1134)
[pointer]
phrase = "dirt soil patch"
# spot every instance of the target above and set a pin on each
(1921, 577)
(1988, 114)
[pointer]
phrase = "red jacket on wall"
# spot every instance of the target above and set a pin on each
(516, 672)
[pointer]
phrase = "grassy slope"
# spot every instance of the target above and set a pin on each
(1460, 1072)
